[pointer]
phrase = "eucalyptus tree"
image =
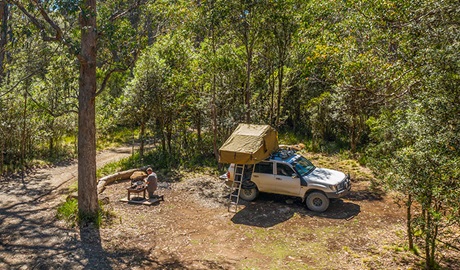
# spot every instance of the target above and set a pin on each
(248, 21)
(55, 96)
(415, 138)
(4, 18)
(142, 92)
(313, 62)
(283, 23)
(219, 71)
(57, 22)
(22, 73)
(161, 89)
(177, 51)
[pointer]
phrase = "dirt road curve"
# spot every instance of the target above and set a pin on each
(30, 234)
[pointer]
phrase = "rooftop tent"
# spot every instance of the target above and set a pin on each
(249, 144)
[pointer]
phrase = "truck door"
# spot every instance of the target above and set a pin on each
(285, 183)
(263, 176)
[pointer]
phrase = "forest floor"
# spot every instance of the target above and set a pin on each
(192, 229)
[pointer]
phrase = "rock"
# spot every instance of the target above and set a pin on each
(138, 175)
(104, 200)
(73, 195)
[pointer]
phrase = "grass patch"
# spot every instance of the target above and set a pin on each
(167, 166)
(68, 212)
(292, 138)
(73, 187)
(286, 251)
(342, 162)
(123, 164)
(116, 137)
(120, 165)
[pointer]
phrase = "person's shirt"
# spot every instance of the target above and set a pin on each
(152, 178)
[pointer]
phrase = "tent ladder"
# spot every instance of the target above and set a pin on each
(236, 188)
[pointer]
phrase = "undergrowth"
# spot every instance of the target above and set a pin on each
(162, 162)
(117, 136)
(68, 212)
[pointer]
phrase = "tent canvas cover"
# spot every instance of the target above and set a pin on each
(249, 144)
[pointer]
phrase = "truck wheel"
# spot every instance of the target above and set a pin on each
(317, 201)
(249, 194)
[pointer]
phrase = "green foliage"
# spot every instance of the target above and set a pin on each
(68, 211)
(377, 80)
(121, 165)
(117, 135)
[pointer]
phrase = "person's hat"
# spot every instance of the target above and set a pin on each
(149, 169)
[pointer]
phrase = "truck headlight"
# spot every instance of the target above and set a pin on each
(333, 188)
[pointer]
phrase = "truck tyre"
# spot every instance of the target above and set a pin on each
(317, 201)
(249, 194)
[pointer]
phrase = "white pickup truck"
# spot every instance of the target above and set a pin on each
(291, 174)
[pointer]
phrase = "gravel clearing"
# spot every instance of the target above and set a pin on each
(192, 229)
(207, 190)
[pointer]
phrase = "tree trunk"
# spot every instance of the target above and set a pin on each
(434, 236)
(161, 131)
(51, 147)
(169, 138)
(214, 118)
(2, 148)
(247, 96)
(87, 184)
(142, 135)
(213, 101)
(409, 222)
(271, 86)
(428, 259)
(4, 12)
(198, 129)
(353, 135)
(23, 135)
(280, 90)
(51, 139)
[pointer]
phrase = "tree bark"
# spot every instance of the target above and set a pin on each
(271, 85)
(409, 222)
(198, 129)
(23, 134)
(87, 184)
(4, 12)
(2, 148)
(353, 134)
(169, 138)
(213, 100)
(280, 91)
(247, 95)
(214, 118)
(428, 259)
(142, 137)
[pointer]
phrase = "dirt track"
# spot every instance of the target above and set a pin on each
(31, 237)
(192, 229)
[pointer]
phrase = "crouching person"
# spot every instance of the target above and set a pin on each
(152, 184)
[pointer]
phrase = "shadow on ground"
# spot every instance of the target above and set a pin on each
(365, 195)
(271, 209)
(31, 240)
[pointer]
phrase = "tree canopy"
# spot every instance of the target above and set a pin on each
(379, 78)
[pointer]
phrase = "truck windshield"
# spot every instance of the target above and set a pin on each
(303, 166)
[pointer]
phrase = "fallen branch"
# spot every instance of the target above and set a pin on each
(124, 175)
